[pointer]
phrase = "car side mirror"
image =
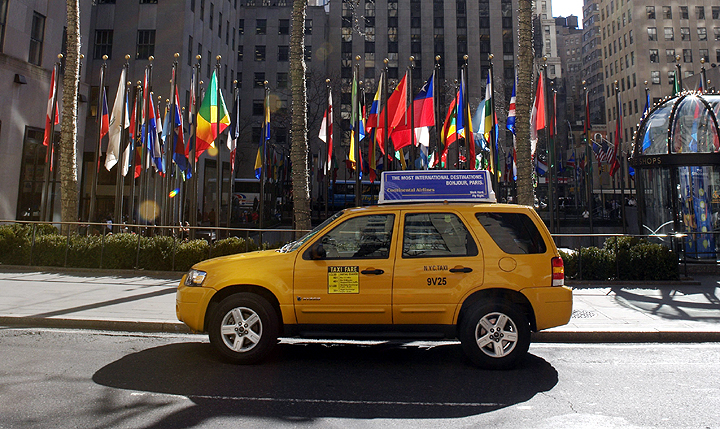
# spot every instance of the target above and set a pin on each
(318, 252)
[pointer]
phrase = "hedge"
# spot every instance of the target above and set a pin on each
(112, 251)
(622, 258)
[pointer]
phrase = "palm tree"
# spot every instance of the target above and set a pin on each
(522, 102)
(299, 149)
(68, 134)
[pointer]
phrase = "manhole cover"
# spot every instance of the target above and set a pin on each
(582, 314)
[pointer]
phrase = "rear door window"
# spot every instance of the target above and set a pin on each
(436, 235)
(514, 233)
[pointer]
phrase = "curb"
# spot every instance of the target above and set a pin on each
(94, 324)
(537, 337)
(626, 337)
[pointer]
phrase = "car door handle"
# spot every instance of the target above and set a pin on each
(461, 270)
(378, 271)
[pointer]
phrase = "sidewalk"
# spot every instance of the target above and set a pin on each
(145, 302)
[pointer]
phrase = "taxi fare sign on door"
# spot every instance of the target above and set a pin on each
(343, 280)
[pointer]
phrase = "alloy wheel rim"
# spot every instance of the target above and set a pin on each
(496, 335)
(241, 329)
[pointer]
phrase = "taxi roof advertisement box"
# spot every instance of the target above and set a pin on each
(436, 186)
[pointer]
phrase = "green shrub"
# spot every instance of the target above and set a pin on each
(189, 253)
(156, 253)
(231, 246)
(15, 242)
(49, 250)
(120, 251)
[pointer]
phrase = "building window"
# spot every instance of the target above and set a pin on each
(717, 55)
(283, 53)
(259, 52)
(284, 27)
(716, 31)
(241, 27)
(261, 26)
(652, 34)
(702, 33)
(685, 33)
(258, 108)
(3, 20)
(220, 24)
(683, 12)
(700, 12)
(308, 27)
(282, 80)
(308, 53)
(650, 11)
(103, 44)
(212, 13)
(687, 55)
(705, 55)
(654, 56)
(671, 77)
(655, 77)
(202, 10)
(37, 35)
(669, 33)
(147, 2)
(667, 12)
(630, 35)
(670, 55)
(240, 52)
(259, 80)
(716, 12)
(145, 44)
(32, 174)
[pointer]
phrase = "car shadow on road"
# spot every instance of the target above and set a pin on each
(327, 380)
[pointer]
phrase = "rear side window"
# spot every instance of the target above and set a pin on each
(514, 233)
(436, 235)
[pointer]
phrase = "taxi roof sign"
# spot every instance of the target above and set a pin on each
(436, 186)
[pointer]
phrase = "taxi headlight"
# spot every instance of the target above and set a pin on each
(195, 278)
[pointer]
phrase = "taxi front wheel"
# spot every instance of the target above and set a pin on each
(244, 328)
(495, 335)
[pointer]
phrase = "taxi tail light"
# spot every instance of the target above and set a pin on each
(558, 272)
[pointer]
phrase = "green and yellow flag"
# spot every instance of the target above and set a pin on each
(208, 117)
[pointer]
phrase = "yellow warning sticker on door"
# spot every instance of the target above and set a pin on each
(343, 279)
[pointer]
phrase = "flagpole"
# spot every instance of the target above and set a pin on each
(144, 179)
(263, 163)
(388, 161)
(356, 132)
(555, 172)
(218, 176)
(412, 113)
(98, 119)
(328, 167)
(133, 154)
(193, 163)
(436, 106)
(622, 158)
(48, 152)
(548, 148)
(703, 85)
(119, 182)
(639, 185)
(167, 182)
(236, 92)
(588, 157)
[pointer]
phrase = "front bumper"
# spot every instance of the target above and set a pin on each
(191, 303)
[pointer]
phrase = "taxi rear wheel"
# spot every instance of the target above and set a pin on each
(495, 335)
(244, 328)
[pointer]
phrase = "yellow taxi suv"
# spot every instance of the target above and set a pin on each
(437, 258)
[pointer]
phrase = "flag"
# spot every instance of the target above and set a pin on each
(449, 130)
(191, 116)
(234, 132)
(490, 132)
(151, 137)
(264, 137)
(326, 131)
(353, 120)
(422, 136)
(676, 84)
(212, 109)
(51, 105)
(396, 109)
(116, 128)
(424, 115)
(537, 115)
(510, 124)
(571, 161)
(541, 168)
(479, 118)
(178, 154)
(372, 121)
(104, 119)
(129, 151)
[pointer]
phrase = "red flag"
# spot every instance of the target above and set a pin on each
(105, 118)
(539, 106)
(615, 164)
(51, 105)
(396, 108)
(424, 113)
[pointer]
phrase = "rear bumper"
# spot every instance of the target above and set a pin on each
(552, 305)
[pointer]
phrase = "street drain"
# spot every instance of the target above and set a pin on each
(582, 314)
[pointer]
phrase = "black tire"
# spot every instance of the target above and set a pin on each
(495, 335)
(250, 325)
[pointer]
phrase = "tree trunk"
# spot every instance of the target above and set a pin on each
(523, 103)
(68, 134)
(299, 149)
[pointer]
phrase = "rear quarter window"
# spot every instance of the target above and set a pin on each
(514, 233)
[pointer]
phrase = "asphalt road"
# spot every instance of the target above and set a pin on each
(91, 379)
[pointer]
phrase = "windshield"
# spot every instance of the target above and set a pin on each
(296, 244)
